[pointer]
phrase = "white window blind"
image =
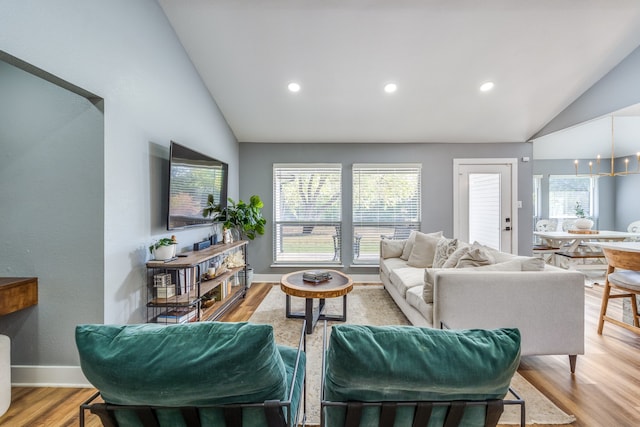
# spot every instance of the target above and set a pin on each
(566, 190)
(484, 209)
(307, 200)
(386, 204)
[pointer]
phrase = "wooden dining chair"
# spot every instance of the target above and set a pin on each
(623, 274)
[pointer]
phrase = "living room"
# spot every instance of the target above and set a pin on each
(85, 187)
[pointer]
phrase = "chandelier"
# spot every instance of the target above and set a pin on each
(612, 171)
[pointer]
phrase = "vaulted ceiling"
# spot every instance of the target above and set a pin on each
(541, 55)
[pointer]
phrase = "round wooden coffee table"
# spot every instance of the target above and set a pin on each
(338, 286)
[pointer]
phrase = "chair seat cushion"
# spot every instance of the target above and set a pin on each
(626, 278)
(178, 365)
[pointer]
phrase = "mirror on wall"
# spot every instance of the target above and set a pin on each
(612, 201)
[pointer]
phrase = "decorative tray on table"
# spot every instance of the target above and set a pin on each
(316, 276)
(577, 231)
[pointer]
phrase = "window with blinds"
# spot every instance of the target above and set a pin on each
(566, 190)
(307, 200)
(386, 204)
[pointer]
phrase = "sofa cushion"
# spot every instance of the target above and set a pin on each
(626, 278)
(405, 278)
(444, 249)
(391, 248)
(390, 264)
(477, 256)
(418, 364)
(424, 250)
(427, 289)
(153, 364)
(408, 246)
(453, 259)
(414, 299)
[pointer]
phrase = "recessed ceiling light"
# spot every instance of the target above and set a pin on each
(390, 87)
(486, 87)
(294, 87)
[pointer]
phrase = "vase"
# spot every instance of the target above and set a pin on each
(583, 224)
(163, 253)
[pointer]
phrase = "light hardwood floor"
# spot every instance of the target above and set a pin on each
(604, 392)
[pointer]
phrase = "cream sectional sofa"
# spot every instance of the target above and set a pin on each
(546, 305)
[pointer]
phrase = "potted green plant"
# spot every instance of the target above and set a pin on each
(164, 248)
(244, 218)
(582, 223)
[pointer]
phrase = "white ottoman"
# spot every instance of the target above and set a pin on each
(5, 373)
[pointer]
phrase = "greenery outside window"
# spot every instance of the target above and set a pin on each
(307, 200)
(386, 204)
(566, 190)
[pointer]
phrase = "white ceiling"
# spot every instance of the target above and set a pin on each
(541, 55)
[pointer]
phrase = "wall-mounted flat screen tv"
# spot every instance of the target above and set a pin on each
(192, 177)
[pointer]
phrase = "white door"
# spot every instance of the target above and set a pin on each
(485, 190)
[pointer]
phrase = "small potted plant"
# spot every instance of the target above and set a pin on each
(582, 223)
(164, 248)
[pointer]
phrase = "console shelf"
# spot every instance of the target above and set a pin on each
(191, 294)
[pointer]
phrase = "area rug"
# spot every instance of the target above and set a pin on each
(372, 305)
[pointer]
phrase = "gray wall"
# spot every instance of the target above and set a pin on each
(127, 53)
(627, 202)
(51, 215)
(256, 170)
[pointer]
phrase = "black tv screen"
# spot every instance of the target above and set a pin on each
(192, 177)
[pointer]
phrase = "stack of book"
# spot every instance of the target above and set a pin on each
(316, 276)
(178, 315)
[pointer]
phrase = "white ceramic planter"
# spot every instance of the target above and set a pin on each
(164, 253)
(583, 224)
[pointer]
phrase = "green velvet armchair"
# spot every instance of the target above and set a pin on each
(395, 376)
(194, 374)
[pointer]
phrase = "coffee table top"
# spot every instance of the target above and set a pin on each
(340, 284)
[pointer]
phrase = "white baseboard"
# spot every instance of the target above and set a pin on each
(357, 278)
(48, 376)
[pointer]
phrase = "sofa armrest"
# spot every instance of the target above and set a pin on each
(547, 306)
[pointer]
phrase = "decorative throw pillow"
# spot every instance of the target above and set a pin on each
(477, 256)
(423, 251)
(453, 259)
(392, 248)
(532, 264)
(427, 290)
(444, 249)
(408, 246)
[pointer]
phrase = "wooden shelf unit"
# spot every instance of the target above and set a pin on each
(188, 276)
(17, 293)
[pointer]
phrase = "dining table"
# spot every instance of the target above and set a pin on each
(570, 241)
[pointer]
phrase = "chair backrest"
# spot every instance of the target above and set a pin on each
(546, 225)
(568, 224)
(624, 260)
(634, 227)
(201, 365)
(369, 364)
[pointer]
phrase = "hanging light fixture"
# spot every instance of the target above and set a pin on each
(613, 157)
